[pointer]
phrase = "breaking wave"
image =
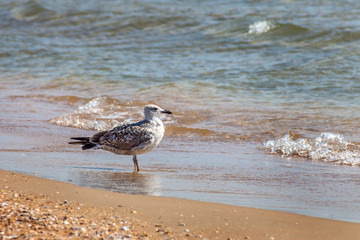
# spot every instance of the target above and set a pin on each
(104, 113)
(261, 27)
(328, 147)
(101, 113)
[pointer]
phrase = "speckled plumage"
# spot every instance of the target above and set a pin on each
(129, 138)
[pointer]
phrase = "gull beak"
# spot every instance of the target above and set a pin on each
(166, 111)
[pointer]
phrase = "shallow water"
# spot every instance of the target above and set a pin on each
(274, 83)
(230, 172)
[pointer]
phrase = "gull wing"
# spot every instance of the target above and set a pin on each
(123, 137)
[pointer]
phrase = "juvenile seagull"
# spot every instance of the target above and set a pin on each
(129, 138)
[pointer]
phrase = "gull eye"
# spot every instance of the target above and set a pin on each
(154, 109)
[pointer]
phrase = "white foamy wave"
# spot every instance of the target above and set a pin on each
(328, 147)
(261, 27)
(101, 113)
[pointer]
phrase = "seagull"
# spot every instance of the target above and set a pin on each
(129, 138)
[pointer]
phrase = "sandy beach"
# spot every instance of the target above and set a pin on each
(33, 208)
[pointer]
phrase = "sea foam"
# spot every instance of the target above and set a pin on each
(328, 147)
(261, 27)
(101, 113)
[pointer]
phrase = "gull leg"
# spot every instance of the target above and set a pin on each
(136, 166)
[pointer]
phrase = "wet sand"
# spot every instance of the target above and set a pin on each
(37, 207)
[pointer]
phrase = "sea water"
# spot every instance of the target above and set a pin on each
(265, 96)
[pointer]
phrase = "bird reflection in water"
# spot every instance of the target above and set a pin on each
(141, 184)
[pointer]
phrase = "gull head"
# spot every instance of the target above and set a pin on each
(152, 110)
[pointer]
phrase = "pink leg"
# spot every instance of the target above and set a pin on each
(136, 166)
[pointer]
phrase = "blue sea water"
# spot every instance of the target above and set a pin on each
(280, 75)
(294, 58)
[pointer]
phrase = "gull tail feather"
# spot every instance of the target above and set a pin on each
(85, 141)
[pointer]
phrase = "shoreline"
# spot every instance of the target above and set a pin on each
(190, 167)
(149, 217)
